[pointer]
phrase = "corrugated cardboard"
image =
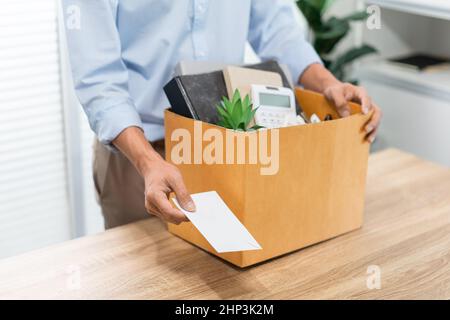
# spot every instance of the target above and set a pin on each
(317, 194)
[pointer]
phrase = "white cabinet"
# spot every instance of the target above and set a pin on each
(431, 8)
(414, 122)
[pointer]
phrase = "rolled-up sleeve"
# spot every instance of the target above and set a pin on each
(99, 73)
(275, 33)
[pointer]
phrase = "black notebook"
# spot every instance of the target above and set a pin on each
(196, 96)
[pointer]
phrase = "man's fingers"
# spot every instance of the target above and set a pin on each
(181, 192)
(340, 101)
(372, 125)
(358, 94)
(374, 121)
(371, 136)
(168, 212)
(364, 99)
(151, 208)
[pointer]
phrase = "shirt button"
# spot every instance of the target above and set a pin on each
(201, 53)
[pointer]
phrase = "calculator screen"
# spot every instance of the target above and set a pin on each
(274, 100)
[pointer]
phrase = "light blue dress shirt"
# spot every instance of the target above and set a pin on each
(123, 52)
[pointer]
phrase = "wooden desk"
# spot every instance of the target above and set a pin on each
(406, 233)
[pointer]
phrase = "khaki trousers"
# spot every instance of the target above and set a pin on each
(119, 187)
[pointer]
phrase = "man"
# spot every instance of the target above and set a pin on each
(123, 52)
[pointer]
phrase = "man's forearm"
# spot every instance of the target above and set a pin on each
(133, 144)
(317, 78)
(160, 178)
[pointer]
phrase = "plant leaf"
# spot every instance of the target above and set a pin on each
(221, 111)
(256, 127)
(236, 96)
(224, 117)
(248, 116)
(332, 32)
(246, 102)
(228, 105)
(313, 10)
(321, 5)
(326, 62)
(311, 14)
(222, 123)
(350, 56)
(242, 126)
(328, 33)
(254, 111)
(247, 111)
(357, 16)
(237, 112)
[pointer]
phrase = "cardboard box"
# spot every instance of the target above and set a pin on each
(316, 193)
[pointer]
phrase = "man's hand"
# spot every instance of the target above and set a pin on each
(160, 177)
(319, 79)
(341, 93)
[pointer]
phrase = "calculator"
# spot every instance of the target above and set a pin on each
(275, 105)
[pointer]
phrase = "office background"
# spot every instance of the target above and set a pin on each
(46, 190)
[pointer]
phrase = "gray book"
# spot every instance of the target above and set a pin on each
(197, 67)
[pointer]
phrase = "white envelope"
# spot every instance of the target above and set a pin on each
(218, 224)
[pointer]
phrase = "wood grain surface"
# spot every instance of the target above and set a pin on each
(406, 234)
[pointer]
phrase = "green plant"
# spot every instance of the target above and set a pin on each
(236, 113)
(327, 33)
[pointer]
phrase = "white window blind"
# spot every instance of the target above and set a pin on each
(34, 209)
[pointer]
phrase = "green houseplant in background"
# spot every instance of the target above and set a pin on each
(327, 33)
(236, 113)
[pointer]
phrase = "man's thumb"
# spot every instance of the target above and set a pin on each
(187, 203)
(183, 197)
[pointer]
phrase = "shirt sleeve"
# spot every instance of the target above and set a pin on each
(99, 73)
(275, 33)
